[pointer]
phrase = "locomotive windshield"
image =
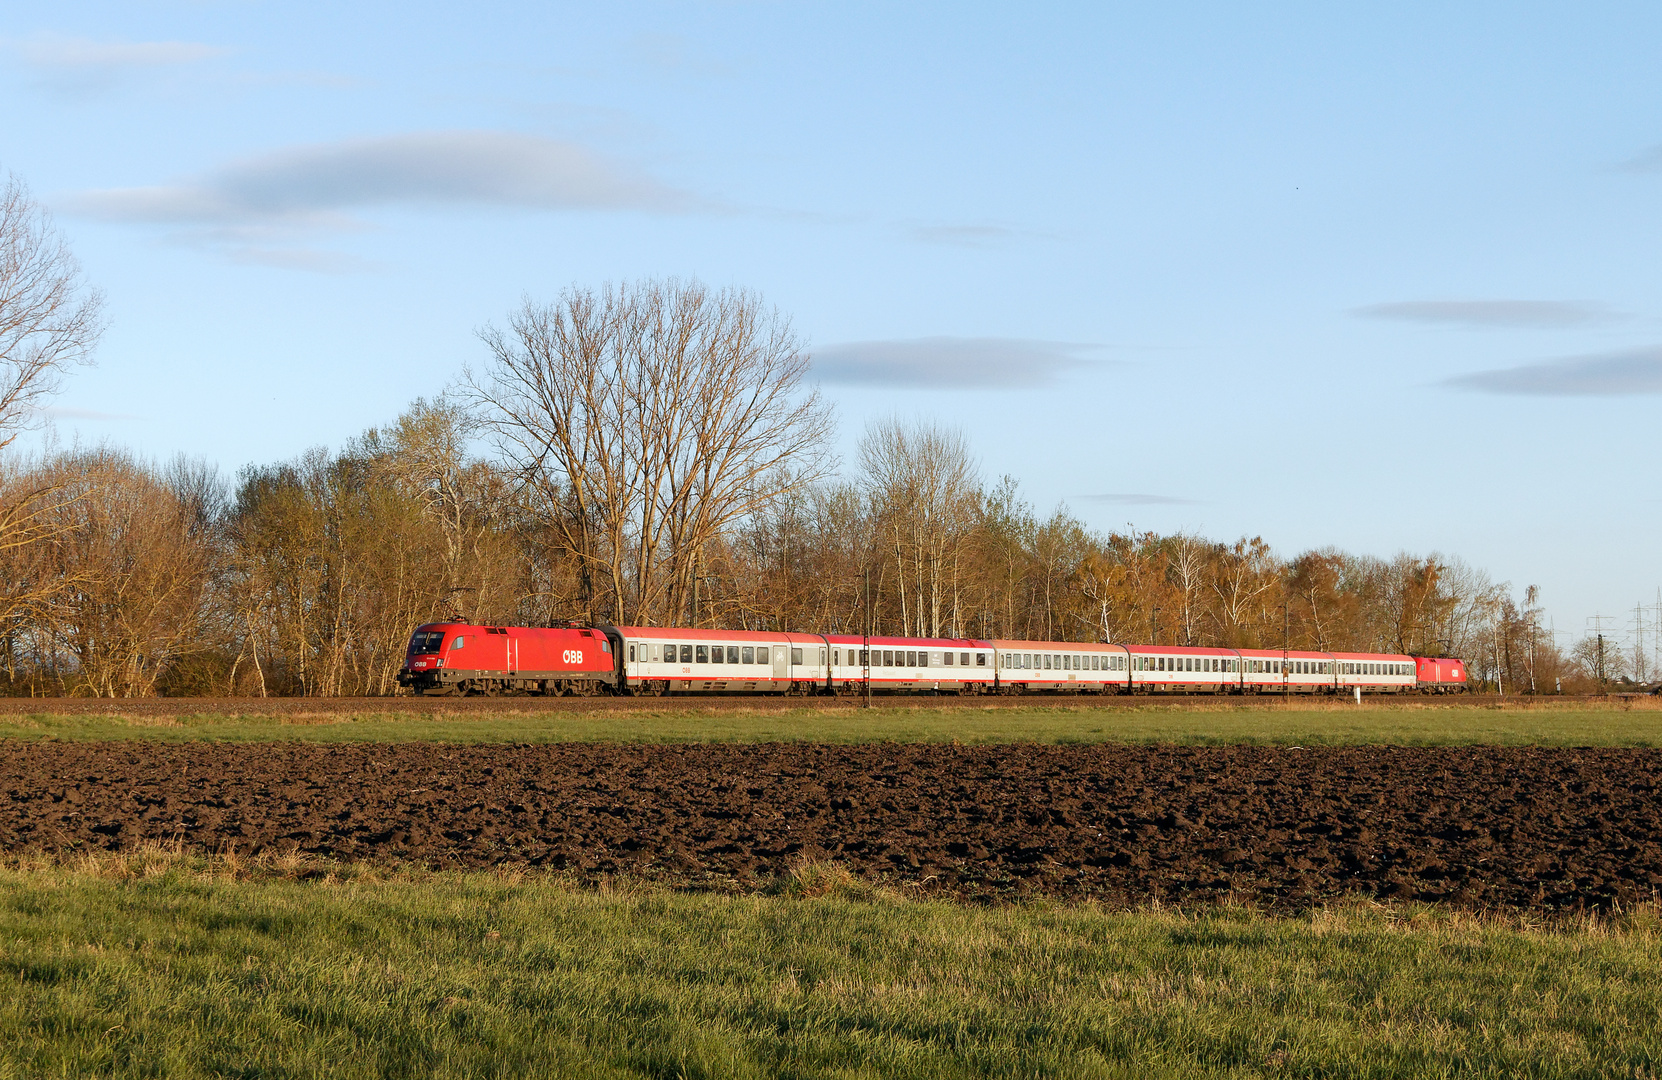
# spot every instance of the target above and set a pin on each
(426, 641)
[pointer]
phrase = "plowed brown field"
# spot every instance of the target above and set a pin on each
(1478, 827)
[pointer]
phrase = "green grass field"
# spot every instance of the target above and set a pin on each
(160, 965)
(1569, 723)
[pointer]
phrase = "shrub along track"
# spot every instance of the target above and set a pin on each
(1536, 828)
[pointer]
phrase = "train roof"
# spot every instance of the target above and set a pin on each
(681, 633)
(1053, 646)
(1310, 654)
(915, 643)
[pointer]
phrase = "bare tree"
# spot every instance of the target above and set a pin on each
(49, 320)
(1186, 567)
(646, 419)
(1246, 571)
(923, 488)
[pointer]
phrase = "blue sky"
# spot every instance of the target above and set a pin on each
(1385, 279)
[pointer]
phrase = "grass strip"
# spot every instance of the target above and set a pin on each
(1298, 724)
(163, 964)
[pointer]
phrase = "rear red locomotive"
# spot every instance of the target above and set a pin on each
(1440, 675)
(462, 658)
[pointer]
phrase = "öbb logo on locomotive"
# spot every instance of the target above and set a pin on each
(464, 658)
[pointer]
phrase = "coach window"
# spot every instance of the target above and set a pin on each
(749, 654)
(702, 654)
(686, 654)
(980, 659)
(796, 656)
(716, 655)
(888, 658)
(963, 658)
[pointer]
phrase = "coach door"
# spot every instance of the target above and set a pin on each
(781, 662)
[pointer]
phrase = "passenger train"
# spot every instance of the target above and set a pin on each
(460, 658)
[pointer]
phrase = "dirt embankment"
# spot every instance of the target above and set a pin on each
(1479, 827)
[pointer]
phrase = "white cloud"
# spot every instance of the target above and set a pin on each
(58, 412)
(1647, 162)
(1137, 500)
(962, 235)
(306, 190)
(312, 185)
(80, 54)
(951, 363)
(1621, 374)
(1490, 313)
(300, 258)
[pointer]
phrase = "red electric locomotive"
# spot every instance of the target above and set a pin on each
(461, 658)
(1440, 675)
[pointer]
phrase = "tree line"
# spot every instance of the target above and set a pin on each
(652, 454)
